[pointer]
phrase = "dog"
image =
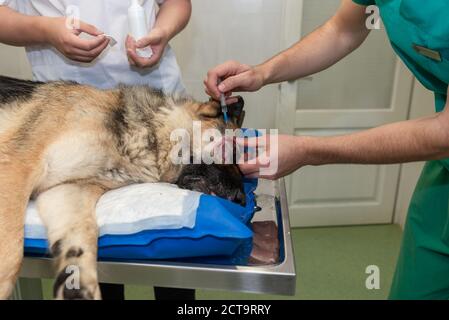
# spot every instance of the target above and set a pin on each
(66, 144)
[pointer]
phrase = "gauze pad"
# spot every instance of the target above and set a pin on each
(112, 41)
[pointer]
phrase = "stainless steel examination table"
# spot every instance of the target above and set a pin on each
(273, 279)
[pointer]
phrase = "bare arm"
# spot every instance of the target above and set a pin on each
(173, 17)
(407, 141)
(331, 42)
(338, 37)
(20, 30)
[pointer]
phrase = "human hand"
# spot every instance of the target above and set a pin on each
(157, 40)
(67, 41)
(273, 156)
(236, 77)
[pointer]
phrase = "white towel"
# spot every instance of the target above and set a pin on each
(135, 208)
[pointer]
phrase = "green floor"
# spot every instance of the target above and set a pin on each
(330, 264)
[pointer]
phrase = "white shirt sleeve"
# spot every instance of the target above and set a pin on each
(9, 3)
(158, 1)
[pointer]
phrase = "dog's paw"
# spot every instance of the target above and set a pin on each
(69, 286)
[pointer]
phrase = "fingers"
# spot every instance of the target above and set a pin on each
(231, 100)
(256, 158)
(88, 44)
(223, 71)
(149, 40)
(252, 142)
(80, 58)
(249, 169)
(140, 62)
(87, 55)
(253, 176)
(211, 84)
(95, 52)
(69, 42)
(88, 28)
(254, 170)
(135, 60)
(234, 83)
(130, 46)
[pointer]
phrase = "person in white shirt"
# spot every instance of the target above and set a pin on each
(83, 54)
(70, 40)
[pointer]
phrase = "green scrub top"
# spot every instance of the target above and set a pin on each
(419, 33)
(411, 23)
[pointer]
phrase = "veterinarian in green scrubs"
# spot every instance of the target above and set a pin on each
(419, 33)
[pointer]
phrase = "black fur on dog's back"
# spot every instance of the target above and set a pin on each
(16, 89)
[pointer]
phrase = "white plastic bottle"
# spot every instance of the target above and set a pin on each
(138, 26)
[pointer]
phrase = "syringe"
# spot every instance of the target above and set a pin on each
(224, 106)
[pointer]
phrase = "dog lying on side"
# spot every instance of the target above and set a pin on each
(67, 144)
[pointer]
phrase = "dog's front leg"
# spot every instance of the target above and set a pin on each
(68, 211)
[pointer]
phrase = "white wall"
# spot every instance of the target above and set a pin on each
(13, 62)
(248, 31)
(362, 80)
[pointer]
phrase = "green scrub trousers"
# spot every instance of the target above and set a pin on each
(419, 33)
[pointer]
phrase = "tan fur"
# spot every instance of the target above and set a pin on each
(66, 144)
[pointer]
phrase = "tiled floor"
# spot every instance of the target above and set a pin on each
(330, 262)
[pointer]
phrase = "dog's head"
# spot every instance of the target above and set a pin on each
(221, 180)
(211, 115)
(224, 181)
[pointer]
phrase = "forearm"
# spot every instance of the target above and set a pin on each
(20, 30)
(408, 141)
(321, 49)
(173, 16)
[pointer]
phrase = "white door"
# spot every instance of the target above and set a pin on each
(367, 89)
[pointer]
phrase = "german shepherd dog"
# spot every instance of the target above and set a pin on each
(66, 144)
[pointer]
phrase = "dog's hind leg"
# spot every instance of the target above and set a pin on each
(15, 191)
(68, 211)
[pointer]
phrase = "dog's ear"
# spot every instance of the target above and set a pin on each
(210, 109)
(236, 111)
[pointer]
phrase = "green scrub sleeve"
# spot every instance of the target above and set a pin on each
(365, 2)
